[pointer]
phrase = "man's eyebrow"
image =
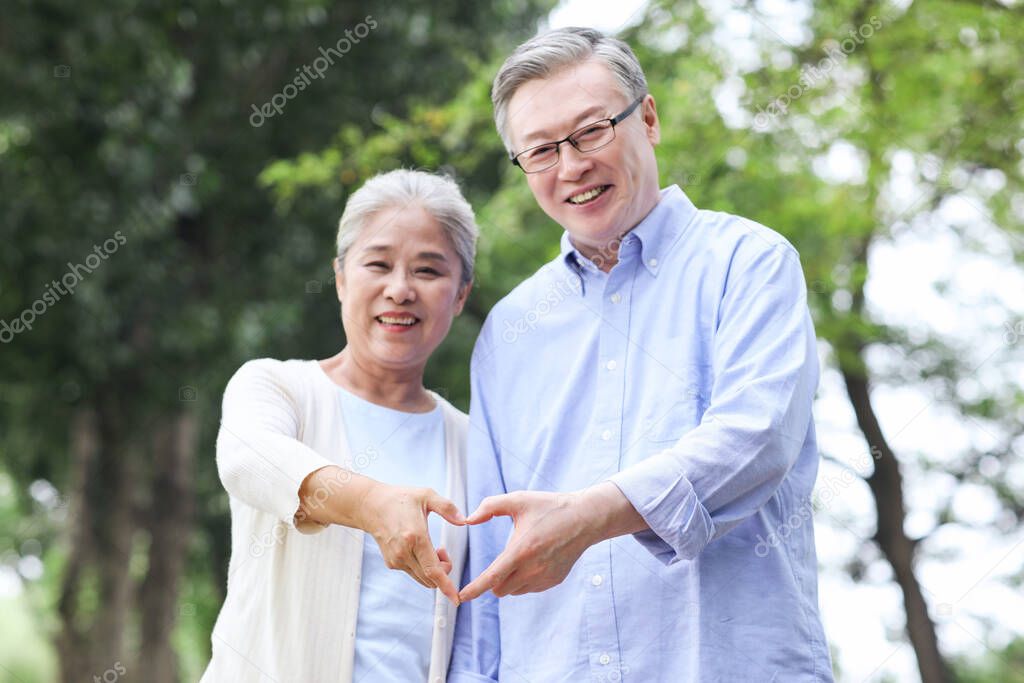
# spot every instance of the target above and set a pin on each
(585, 116)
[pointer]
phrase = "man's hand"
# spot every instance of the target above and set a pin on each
(548, 538)
(551, 532)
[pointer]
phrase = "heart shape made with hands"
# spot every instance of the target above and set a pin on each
(546, 541)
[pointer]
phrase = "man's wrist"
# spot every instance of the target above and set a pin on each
(608, 512)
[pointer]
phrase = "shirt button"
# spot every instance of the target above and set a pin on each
(653, 263)
(616, 298)
(604, 659)
(597, 580)
(611, 365)
(606, 435)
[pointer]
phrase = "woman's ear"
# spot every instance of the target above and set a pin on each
(461, 296)
(339, 280)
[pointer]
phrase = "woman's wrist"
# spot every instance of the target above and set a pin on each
(333, 495)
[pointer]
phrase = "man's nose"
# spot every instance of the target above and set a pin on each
(572, 163)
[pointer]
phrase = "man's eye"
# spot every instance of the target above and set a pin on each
(376, 264)
(428, 271)
(541, 152)
(588, 133)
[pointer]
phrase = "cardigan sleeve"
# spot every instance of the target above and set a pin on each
(260, 459)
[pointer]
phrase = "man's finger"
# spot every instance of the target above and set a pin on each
(446, 509)
(508, 585)
(490, 507)
(490, 577)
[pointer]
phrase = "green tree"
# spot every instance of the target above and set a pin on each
(131, 138)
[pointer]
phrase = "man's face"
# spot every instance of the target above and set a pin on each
(625, 173)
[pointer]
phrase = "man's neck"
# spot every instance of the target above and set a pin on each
(606, 255)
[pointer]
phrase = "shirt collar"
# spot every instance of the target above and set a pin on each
(657, 233)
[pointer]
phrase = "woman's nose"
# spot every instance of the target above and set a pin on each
(399, 287)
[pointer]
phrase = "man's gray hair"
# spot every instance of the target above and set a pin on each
(438, 195)
(550, 52)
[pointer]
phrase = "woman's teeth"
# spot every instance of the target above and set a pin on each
(588, 196)
(387, 320)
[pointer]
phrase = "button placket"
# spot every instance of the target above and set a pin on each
(595, 567)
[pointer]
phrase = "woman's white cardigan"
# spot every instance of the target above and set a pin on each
(293, 591)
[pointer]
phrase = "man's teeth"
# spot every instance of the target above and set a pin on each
(387, 320)
(584, 197)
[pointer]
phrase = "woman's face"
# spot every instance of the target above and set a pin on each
(399, 289)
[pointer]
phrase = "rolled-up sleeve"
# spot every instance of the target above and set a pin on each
(765, 366)
(260, 459)
(477, 651)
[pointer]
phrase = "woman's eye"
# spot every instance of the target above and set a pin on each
(377, 264)
(428, 271)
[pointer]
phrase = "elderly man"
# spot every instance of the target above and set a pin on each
(641, 442)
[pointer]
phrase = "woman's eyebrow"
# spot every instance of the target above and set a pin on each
(429, 255)
(432, 255)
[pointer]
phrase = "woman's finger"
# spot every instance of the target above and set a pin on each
(398, 558)
(445, 508)
(427, 557)
(445, 560)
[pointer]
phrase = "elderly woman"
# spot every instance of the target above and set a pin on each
(333, 466)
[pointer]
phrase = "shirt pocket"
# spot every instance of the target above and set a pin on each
(674, 390)
(677, 408)
(669, 420)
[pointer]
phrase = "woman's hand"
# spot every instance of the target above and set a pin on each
(396, 517)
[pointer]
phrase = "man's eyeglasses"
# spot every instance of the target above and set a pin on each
(589, 138)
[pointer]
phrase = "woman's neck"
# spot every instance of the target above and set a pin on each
(397, 389)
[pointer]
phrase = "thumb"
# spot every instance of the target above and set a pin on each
(493, 506)
(446, 509)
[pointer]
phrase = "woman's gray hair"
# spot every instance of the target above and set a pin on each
(550, 52)
(437, 194)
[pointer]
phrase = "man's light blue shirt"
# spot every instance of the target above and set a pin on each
(686, 376)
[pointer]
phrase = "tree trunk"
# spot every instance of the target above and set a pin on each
(70, 642)
(886, 485)
(90, 644)
(169, 524)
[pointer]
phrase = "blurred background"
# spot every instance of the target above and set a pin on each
(171, 175)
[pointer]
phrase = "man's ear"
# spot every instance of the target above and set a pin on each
(649, 114)
(460, 298)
